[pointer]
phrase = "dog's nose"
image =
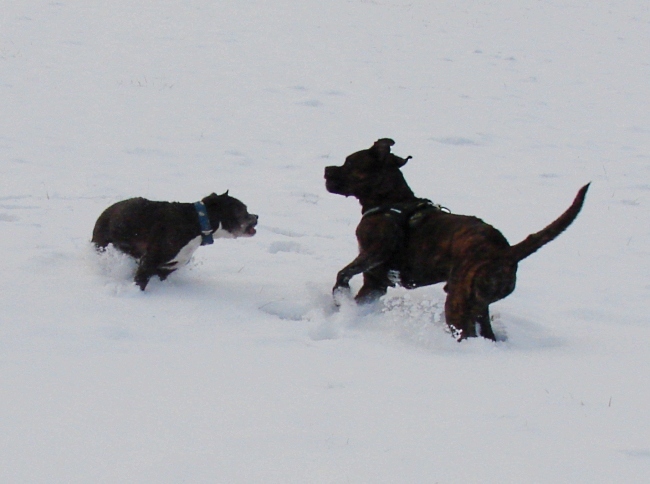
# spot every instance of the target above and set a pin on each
(330, 171)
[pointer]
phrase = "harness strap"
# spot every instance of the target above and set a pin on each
(204, 222)
(411, 211)
(382, 209)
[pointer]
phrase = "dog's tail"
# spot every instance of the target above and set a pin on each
(535, 241)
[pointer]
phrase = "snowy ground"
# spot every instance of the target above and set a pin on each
(236, 369)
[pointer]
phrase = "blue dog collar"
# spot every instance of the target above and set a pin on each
(204, 222)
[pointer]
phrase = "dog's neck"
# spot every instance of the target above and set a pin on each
(401, 195)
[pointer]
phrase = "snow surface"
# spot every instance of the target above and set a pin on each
(236, 369)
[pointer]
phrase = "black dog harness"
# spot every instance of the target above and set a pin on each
(204, 222)
(407, 214)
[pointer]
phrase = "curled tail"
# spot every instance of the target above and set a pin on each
(534, 241)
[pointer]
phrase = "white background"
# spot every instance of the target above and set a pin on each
(236, 369)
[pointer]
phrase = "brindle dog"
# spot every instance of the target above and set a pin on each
(410, 241)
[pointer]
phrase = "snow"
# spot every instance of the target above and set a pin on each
(237, 368)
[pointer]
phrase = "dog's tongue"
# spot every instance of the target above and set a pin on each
(251, 231)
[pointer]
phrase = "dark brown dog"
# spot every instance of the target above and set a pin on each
(164, 235)
(409, 241)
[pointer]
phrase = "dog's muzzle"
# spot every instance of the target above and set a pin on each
(250, 227)
(334, 180)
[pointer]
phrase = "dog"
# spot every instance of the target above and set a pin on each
(410, 241)
(164, 235)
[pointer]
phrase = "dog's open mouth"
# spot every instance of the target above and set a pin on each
(250, 229)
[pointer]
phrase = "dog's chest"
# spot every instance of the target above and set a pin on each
(184, 255)
(222, 233)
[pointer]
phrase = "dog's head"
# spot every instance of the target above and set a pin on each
(372, 174)
(229, 216)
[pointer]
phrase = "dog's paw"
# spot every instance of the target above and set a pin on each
(455, 333)
(341, 294)
(141, 282)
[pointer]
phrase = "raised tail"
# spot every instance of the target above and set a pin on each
(534, 241)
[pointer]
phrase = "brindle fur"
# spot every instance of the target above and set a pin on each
(473, 258)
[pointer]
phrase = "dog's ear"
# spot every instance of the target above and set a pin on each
(400, 162)
(381, 148)
(225, 194)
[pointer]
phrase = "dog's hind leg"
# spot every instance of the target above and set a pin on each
(464, 310)
(485, 326)
(151, 260)
(101, 237)
(458, 313)
(463, 314)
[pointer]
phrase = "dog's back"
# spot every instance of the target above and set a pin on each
(129, 224)
(440, 239)
(102, 235)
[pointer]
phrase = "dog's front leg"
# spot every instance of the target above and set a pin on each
(378, 237)
(142, 276)
(146, 270)
(375, 285)
(361, 264)
(148, 267)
